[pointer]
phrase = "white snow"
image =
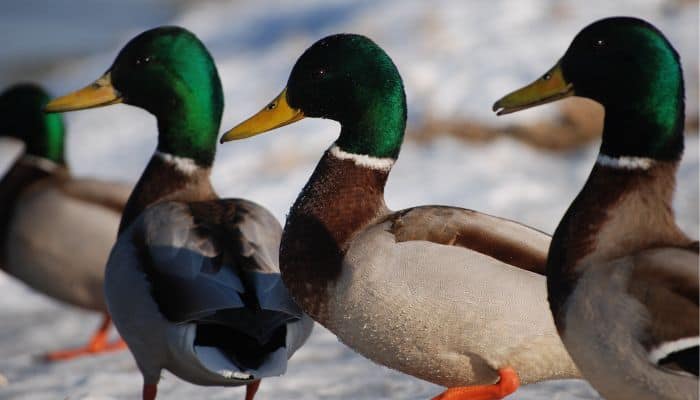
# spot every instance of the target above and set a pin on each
(456, 58)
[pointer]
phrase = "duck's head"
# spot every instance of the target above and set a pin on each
(168, 72)
(22, 117)
(629, 67)
(346, 78)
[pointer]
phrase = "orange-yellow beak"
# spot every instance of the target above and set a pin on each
(97, 94)
(551, 87)
(277, 113)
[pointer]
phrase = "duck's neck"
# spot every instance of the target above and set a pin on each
(180, 168)
(378, 131)
(644, 131)
(168, 178)
(625, 206)
(43, 137)
(188, 129)
(647, 120)
(344, 194)
(347, 188)
(48, 146)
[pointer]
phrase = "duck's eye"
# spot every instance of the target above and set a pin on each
(318, 74)
(599, 43)
(144, 60)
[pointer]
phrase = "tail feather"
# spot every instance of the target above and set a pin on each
(245, 351)
(258, 325)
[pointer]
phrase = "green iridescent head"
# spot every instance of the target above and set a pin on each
(346, 78)
(628, 66)
(168, 72)
(22, 117)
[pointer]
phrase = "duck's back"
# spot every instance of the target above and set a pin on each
(59, 236)
(204, 277)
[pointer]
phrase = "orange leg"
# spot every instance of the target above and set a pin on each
(508, 383)
(98, 344)
(149, 391)
(251, 389)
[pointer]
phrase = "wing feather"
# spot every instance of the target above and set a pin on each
(213, 262)
(665, 281)
(502, 239)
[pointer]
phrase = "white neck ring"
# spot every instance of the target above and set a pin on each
(625, 162)
(40, 162)
(183, 164)
(363, 160)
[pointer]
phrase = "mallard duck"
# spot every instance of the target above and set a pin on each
(56, 230)
(445, 294)
(192, 282)
(622, 277)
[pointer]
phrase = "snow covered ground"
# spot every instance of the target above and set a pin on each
(456, 57)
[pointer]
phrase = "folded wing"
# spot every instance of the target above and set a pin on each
(665, 281)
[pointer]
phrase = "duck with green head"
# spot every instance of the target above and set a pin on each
(442, 293)
(56, 230)
(622, 277)
(192, 283)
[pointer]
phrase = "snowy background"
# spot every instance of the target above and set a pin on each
(456, 57)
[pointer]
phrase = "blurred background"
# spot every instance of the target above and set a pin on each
(456, 58)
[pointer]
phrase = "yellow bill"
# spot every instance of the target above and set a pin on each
(277, 113)
(552, 86)
(99, 93)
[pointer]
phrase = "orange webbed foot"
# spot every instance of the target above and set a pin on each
(506, 385)
(87, 350)
(98, 344)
